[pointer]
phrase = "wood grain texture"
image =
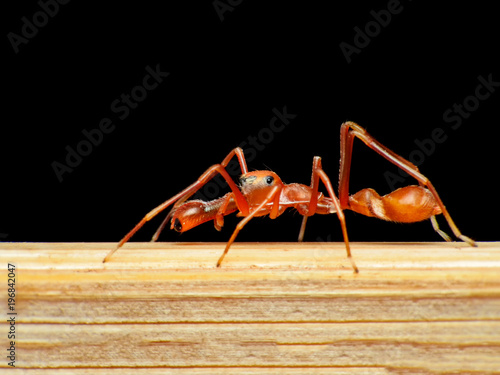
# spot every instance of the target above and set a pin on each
(273, 308)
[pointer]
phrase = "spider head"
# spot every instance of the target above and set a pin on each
(256, 185)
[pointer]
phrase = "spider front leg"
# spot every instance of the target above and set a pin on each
(192, 189)
(409, 204)
(244, 169)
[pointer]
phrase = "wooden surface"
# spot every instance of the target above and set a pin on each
(280, 308)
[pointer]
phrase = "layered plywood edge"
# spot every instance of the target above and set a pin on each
(272, 308)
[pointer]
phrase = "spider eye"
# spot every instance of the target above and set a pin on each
(177, 225)
(269, 180)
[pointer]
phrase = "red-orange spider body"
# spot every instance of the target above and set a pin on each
(263, 193)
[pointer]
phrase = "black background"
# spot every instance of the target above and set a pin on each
(226, 76)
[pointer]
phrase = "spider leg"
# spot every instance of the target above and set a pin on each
(192, 189)
(409, 204)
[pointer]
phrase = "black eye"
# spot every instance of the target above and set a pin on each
(177, 225)
(269, 180)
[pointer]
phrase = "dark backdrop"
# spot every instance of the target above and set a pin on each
(232, 65)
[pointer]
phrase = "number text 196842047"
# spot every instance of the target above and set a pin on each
(11, 313)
